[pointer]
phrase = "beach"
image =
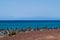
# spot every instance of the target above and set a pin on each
(51, 34)
(29, 30)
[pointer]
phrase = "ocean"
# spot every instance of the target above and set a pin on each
(19, 24)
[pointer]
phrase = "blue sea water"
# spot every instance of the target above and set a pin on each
(12, 24)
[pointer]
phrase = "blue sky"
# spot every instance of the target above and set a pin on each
(29, 9)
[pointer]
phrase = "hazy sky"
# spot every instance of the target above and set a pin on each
(29, 9)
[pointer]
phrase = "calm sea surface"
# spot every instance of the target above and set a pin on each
(12, 24)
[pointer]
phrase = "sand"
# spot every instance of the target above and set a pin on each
(35, 35)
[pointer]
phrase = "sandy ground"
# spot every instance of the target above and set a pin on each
(35, 35)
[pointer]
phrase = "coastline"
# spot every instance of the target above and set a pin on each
(32, 30)
(52, 34)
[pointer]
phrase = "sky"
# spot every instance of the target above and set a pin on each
(29, 9)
